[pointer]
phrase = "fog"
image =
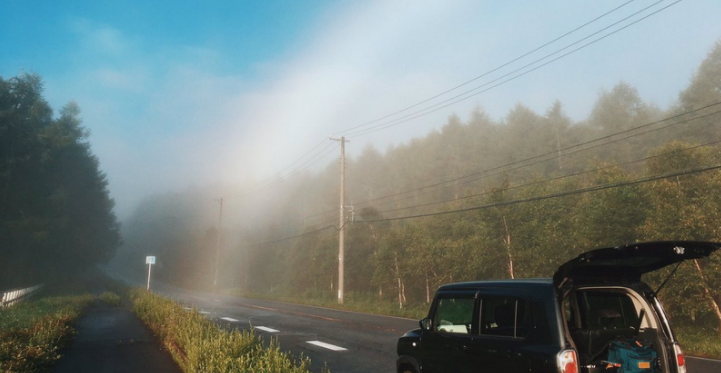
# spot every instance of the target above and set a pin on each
(172, 105)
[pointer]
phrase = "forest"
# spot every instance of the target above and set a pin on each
(56, 215)
(480, 198)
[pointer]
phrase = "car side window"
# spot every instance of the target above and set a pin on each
(454, 314)
(506, 316)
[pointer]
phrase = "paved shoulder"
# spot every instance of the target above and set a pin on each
(113, 339)
(702, 365)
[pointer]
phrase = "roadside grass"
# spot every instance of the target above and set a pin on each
(358, 302)
(199, 345)
(111, 299)
(31, 333)
(699, 341)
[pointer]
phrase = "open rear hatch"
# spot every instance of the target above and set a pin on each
(629, 262)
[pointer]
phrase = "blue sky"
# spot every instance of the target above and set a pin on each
(180, 93)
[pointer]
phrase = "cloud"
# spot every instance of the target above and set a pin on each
(130, 80)
(99, 38)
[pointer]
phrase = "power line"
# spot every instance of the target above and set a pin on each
(490, 71)
(477, 90)
(594, 188)
(540, 182)
(465, 95)
(527, 162)
(291, 237)
(561, 194)
(564, 152)
(553, 195)
(278, 177)
(503, 169)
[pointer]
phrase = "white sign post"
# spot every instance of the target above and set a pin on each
(149, 260)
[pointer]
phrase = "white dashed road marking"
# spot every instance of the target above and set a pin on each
(327, 345)
(267, 329)
(229, 319)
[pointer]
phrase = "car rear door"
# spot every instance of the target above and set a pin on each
(629, 262)
(505, 319)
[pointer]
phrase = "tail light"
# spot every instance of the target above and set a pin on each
(567, 361)
(680, 359)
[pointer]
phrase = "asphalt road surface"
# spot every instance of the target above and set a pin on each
(342, 341)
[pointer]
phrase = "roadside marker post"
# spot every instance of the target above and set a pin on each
(149, 260)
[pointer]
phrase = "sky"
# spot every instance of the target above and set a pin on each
(180, 94)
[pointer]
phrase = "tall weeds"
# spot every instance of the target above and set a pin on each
(199, 345)
(31, 333)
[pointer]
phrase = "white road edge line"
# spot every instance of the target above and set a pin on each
(267, 329)
(327, 345)
(229, 319)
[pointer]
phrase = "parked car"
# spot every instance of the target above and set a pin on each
(593, 310)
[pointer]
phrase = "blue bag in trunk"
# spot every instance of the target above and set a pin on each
(632, 356)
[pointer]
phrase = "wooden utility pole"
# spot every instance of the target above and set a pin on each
(341, 234)
(217, 244)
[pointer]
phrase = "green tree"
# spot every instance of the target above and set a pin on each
(392, 267)
(311, 264)
(687, 208)
(705, 87)
(56, 217)
(612, 215)
(362, 246)
(704, 90)
(556, 126)
(499, 253)
(546, 228)
(617, 112)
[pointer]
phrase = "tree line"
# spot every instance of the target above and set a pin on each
(478, 199)
(56, 215)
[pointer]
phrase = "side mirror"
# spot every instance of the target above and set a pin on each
(426, 324)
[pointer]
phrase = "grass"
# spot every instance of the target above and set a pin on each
(352, 301)
(31, 333)
(111, 299)
(698, 341)
(199, 345)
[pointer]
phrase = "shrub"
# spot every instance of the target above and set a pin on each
(111, 299)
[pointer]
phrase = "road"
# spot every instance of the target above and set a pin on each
(342, 341)
(700, 365)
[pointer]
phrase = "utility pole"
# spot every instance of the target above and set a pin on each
(217, 243)
(341, 237)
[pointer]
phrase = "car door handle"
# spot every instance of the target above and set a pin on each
(513, 354)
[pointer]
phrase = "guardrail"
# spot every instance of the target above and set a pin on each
(11, 297)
